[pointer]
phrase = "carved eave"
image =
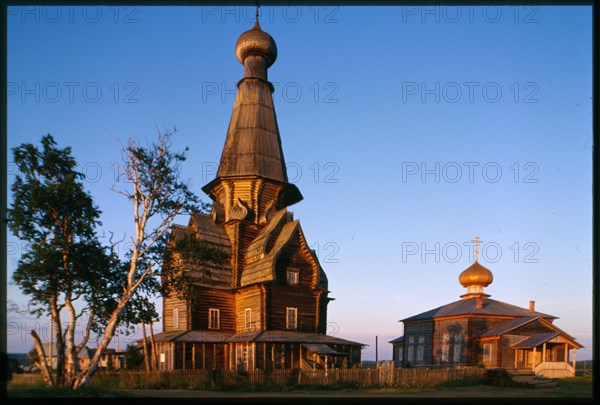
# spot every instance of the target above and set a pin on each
(223, 190)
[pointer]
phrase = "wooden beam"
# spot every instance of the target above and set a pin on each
(203, 356)
(533, 359)
(566, 356)
(574, 358)
(516, 352)
(544, 352)
(193, 356)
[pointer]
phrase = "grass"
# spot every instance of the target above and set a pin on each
(577, 387)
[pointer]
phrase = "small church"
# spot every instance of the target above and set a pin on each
(479, 331)
(266, 308)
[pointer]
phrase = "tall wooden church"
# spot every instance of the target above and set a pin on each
(477, 330)
(267, 307)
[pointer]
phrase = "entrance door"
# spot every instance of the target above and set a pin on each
(244, 356)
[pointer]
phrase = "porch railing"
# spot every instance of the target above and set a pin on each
(554, 369)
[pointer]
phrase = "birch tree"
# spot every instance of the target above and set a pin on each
(157, 196)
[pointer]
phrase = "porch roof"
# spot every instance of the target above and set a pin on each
(320, 348)
(535, 340)
(283, 336)
(302, 337)
(193, 336)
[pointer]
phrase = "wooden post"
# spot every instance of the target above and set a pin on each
(574, 359)
(283, 356)
(566, 353)
(516, 352)
(544, 352)
(300, 352)
(533, 359)
(184, 348)
(376, 354)
(203, 356)
(273, 355)
(214, 355)
(193, 356)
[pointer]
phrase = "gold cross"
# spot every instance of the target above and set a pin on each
(476, 240)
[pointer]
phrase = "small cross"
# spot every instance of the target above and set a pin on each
(257, 7)
(476, 240)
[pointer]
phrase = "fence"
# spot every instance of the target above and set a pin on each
(356, 377)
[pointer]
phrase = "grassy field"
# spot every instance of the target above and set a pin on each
(578, 387)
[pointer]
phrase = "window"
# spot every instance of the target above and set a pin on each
(292, 277)
(420, 349)
(420, 352)
(411, 340)
(292, 318)
(487, 353)
(445, 350)
(446, 337)
(175, 318)
(248, 318)
(399, 353)
(457, 349)
(213, 318)
(410, 354)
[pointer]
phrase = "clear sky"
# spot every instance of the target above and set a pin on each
(409, 130)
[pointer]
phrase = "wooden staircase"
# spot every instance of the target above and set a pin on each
(524, 377)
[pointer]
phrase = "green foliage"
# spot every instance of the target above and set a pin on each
(133, 357)
(33, 358)
(193, 252)
(52, 211)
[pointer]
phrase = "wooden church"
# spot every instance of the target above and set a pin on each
(477, 330)
(267, 307)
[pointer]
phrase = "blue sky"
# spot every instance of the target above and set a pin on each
(408, 130)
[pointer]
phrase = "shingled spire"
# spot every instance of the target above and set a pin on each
(253, 146)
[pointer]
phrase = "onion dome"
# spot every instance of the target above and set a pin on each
(256, 42)
(476, 275)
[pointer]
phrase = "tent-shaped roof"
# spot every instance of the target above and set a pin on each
(468, 306)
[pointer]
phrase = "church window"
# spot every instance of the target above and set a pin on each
(213, 318)
(292, 318)
(292, 277)
(445, 351)
(248, 318)
(175, 318)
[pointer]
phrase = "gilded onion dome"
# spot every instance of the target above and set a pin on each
(256, 42)
(476, 275)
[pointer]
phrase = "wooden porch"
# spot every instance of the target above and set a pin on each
(547, 355)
